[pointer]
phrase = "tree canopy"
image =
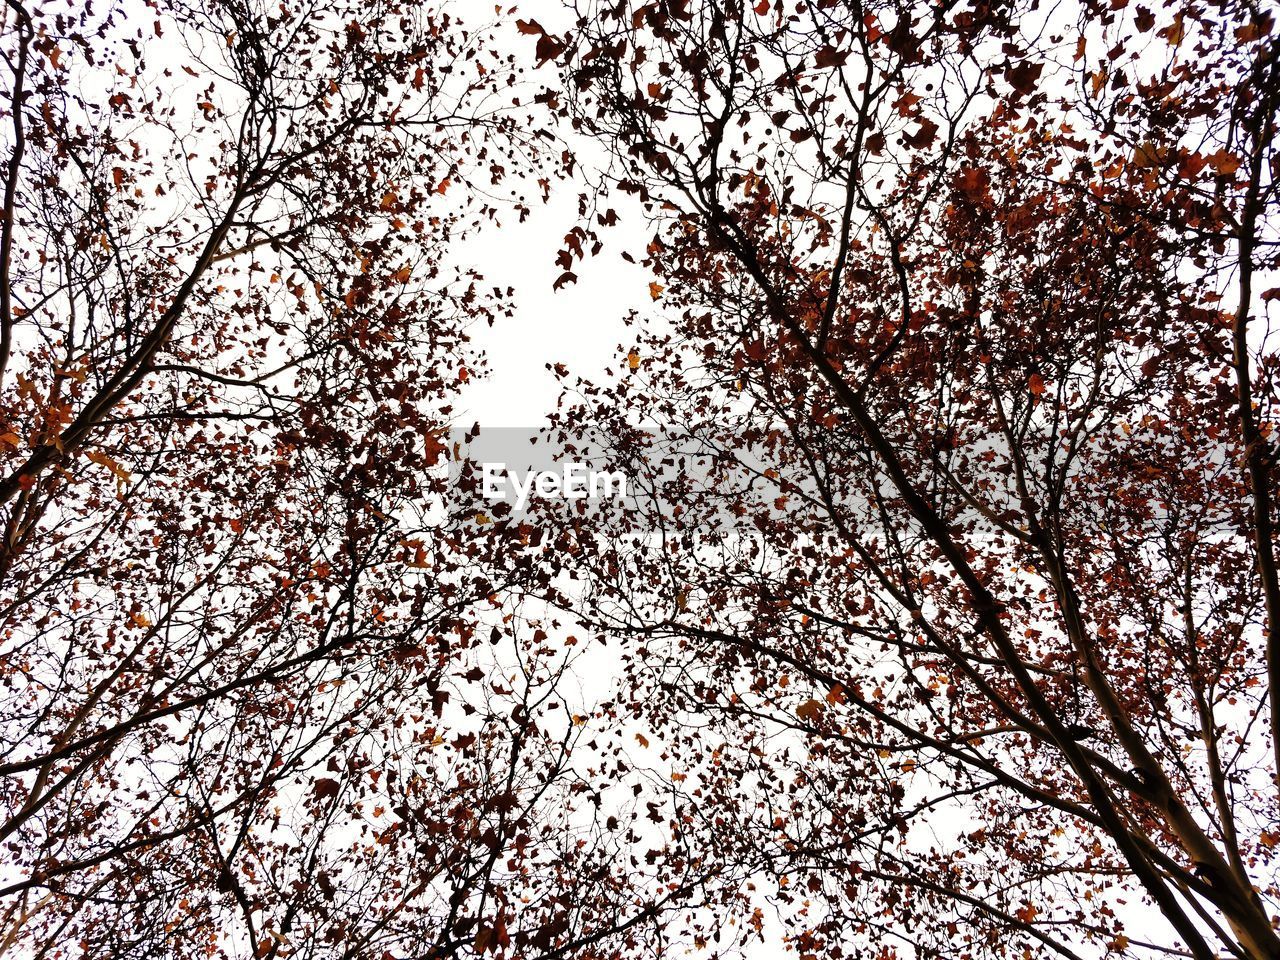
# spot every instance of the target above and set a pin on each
(946, 625)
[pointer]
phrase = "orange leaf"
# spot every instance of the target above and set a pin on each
(1224, 163)
(810, 710)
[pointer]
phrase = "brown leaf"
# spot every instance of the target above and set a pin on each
(1224, 163)
(923, 137)
(1024, 76)
(973, 182)
(810, 711)
(828, 56)
(549, 48)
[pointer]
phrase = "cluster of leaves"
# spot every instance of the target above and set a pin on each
(958, 623)
(255, 699)
(947, 626)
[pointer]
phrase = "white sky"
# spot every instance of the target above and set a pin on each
(579, 325)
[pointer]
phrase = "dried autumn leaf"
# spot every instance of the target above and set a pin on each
(924, 135)
(828, 56)
(811, 711)
(1024, 76)
(1224, 162)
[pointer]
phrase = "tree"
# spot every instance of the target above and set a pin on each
(960, 611)
(256, 699)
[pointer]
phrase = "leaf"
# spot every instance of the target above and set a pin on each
(828, 56)
(762, 7)
(923, 137)
(1147, 154)
(655, 290)
(117, 176)
(1175, 32)
(633, 361)
(1036, 385)
(530, 28)
(810, 711)
(905, 103)
(433, 449)
(1255, 29)
(973, 182)
(1224, 163)
(1024, 76)
(98, 457)
(642, 740)
(567, 277)
(326, 787)
(549, 48)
